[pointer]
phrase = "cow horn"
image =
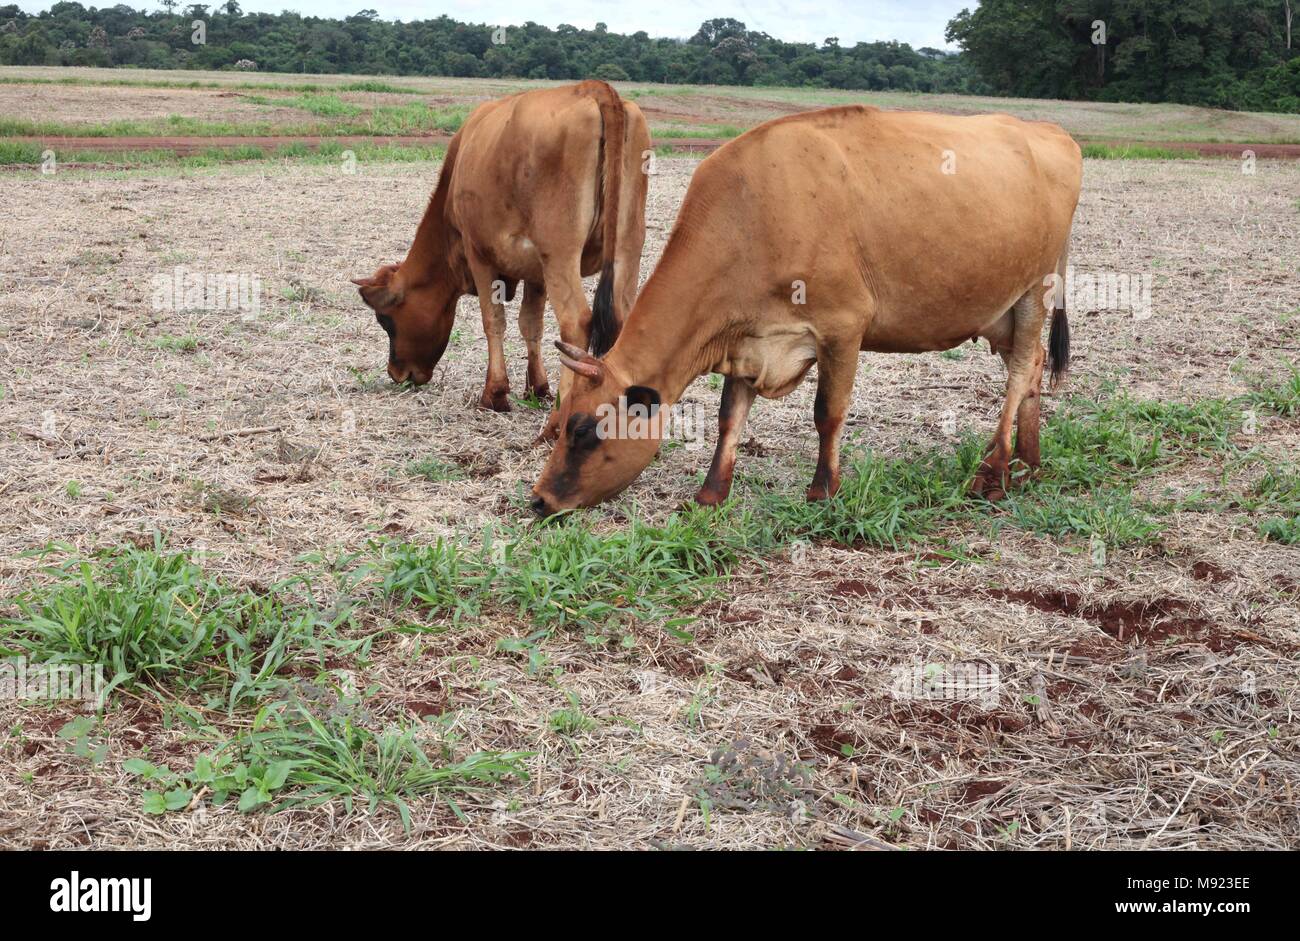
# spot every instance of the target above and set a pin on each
(580, 361)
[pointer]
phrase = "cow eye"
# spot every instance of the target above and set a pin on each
(386, 322)
(582, 430)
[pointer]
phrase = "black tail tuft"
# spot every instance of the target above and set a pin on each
(1058, 346)
(604, 325)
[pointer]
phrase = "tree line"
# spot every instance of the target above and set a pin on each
(1237, 54)
(1224, 53)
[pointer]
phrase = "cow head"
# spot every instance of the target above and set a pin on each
(609, 432)
(417, 318)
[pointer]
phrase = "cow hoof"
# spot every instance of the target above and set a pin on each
(710, 497)
(496, 401)
(988, 488)
(816, 494)
(542, 392)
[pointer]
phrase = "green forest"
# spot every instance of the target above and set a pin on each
(1222, 53)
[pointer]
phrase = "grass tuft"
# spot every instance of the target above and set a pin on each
(152, 618)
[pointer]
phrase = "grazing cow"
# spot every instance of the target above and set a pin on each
(543, 188)
(813, 237)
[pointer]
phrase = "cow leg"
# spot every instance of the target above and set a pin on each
(496, 391)
(1027, 452)
(737, 397)
(531, 310)
(564, 287)
(836, 370)
(1023, 364)
(631, 230)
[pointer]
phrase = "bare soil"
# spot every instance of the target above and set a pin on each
(90, 104)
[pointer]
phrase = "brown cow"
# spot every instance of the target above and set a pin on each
(543, 187)
(811, 238)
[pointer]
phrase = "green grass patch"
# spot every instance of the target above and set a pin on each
(342, 119)
(321, 105)
(701, 133)
(1135, 152)
(434, 470)
(1285, 530)
(412, 118)
(153, 618)
(569, 572)
(1281, 396)
(377, 87)
(20, 152)
(888, 502)
(566, 572)
(300, 755)
(328, 152)
(336, 756)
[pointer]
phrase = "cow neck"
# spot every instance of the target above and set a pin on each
(650, 352)
(427, 259)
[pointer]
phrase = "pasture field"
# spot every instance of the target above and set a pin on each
(328, 619)
(46, 101)
(333, 624)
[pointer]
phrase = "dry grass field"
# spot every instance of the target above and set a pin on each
(70, 96)
(385, 614)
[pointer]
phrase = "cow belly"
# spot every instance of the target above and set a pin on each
(775, 363)
(516, 257)
(924, 331)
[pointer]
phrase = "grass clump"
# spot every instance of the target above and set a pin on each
(1281, 397)
(297, 755)
(339, 757)
(445, 577)
(142, 614)
(434, 470)
(410, 118)
(19, 152)
(153, 618)
(321, 105)
(883, 501)
(1282, 529)
(707, 132)
(1136, 152)
(566, 572)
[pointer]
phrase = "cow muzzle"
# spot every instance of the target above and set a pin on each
(540, 506)
(412, 374)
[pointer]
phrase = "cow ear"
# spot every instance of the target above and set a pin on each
(642, 395)
(379, 291)
(381, 276)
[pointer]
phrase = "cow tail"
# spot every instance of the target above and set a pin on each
(606, 319)
(1058, 338)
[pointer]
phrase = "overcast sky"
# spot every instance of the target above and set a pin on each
(918, 22)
